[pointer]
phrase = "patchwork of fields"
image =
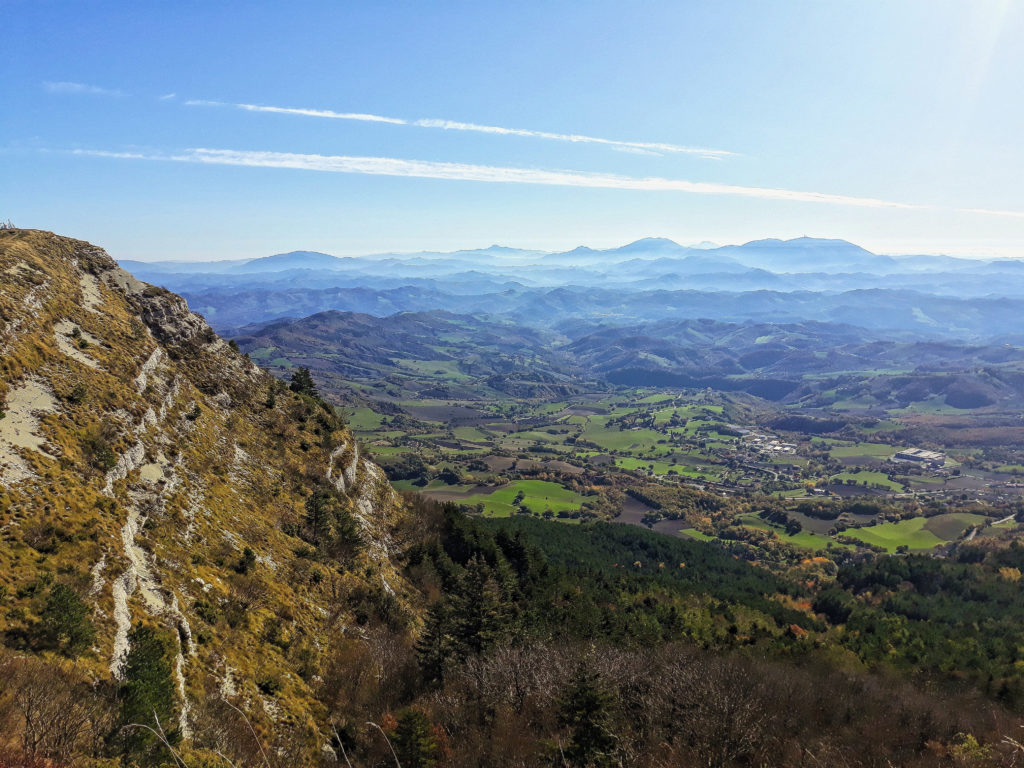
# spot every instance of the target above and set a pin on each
(575, 459)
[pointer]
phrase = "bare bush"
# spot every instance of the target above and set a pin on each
(55, 713)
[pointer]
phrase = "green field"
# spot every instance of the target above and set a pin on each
(536, 437)
(910, 533)
(882, 426)
(917, 532)
(262, 354)
(695, 534)
(870, 478)
(1013, 469)
(363, 419)
(390, 450)
(922, 479)
(471, 434)
(807, 539)
(539, 495)
(951, 525)
(934, 405)
(662, 468)
(659, 467)
(1004, 526)
(858, 403)
(442, 369)
(614, 439)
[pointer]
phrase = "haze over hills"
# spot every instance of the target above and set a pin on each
(790, 320)
(901, 313)
(806, 279)
(803, 254)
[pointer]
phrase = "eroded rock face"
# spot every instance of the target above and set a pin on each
(169, 320)
(148, 443)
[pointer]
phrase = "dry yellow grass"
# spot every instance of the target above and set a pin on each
(163, 461)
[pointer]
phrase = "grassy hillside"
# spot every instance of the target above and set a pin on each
(154, 477)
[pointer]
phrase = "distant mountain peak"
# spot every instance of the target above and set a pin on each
(659, 244)
(803, 242)
(292, 255)
(653, 241)
(291, 260)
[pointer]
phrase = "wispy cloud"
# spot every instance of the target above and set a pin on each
(646, 146)
(452, 125)
(425, 169)
(366, 118)
(636, 151)
(82, 88)
(121, 155)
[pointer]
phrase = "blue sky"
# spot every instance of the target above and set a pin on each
(445, 125)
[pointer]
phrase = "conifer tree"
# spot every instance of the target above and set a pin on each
(414, 743)
(302, 382)
(148, 688)
(330, 526)
(436, 646)
(346, 536)
(66, 623)
(482, 616)
(586, 710)
(317, 519)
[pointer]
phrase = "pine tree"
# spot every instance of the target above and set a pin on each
(436, 646)
(330, 526)
(586, 710)
(481, 614)
(66, 623)
(148, 687)
(246, 562)
(413, 741)
(346, 535)
(302, 382)
(317, 520)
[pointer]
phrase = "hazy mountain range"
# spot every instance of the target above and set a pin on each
(799, 255)
(806, 279)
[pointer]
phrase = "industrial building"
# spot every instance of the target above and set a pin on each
(921, 456)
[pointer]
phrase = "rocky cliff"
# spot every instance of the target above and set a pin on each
(167, 481)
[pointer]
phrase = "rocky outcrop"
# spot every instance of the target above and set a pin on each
(169, 320)
(142, 462)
